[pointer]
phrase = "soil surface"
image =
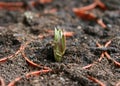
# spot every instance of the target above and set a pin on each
(17, 28)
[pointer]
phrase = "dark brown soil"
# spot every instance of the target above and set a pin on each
(81, 50)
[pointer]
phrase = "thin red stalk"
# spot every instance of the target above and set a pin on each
(2, 83)
(108, 43)
(102, 55)
(37, 73)
(116, 63)
(108, 56)
(86, 8)
(96, 81)
(100, 4)
(30, 62)
(11, 4)
(101, 23)
(88, 66)
(11, 56)
(12, 83)
(118, 84)
(98, 44)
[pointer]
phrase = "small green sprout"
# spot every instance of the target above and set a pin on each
(59, 44)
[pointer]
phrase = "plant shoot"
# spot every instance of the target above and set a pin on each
(59, 44)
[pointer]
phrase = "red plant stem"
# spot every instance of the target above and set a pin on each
(96, 80)
(14, 81)
(30, 62)
(98, 44)
(108, 56)
(89, 7)
(2, 83)
(100, 4)
(108, 43)
(101, 23)
(51, 33)
(116, 63)
(26, 58)
(68, 34)
(101, 56)
(3, 59)
(11, 4)
(84, 14)
(11, 56)
(20, 5)
(45, 1)
(118, 84)
(88, 66)
(92, 6)
(35, 73)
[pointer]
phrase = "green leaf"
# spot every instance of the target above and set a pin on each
(59, 44)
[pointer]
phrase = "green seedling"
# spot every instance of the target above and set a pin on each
(59, 44)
